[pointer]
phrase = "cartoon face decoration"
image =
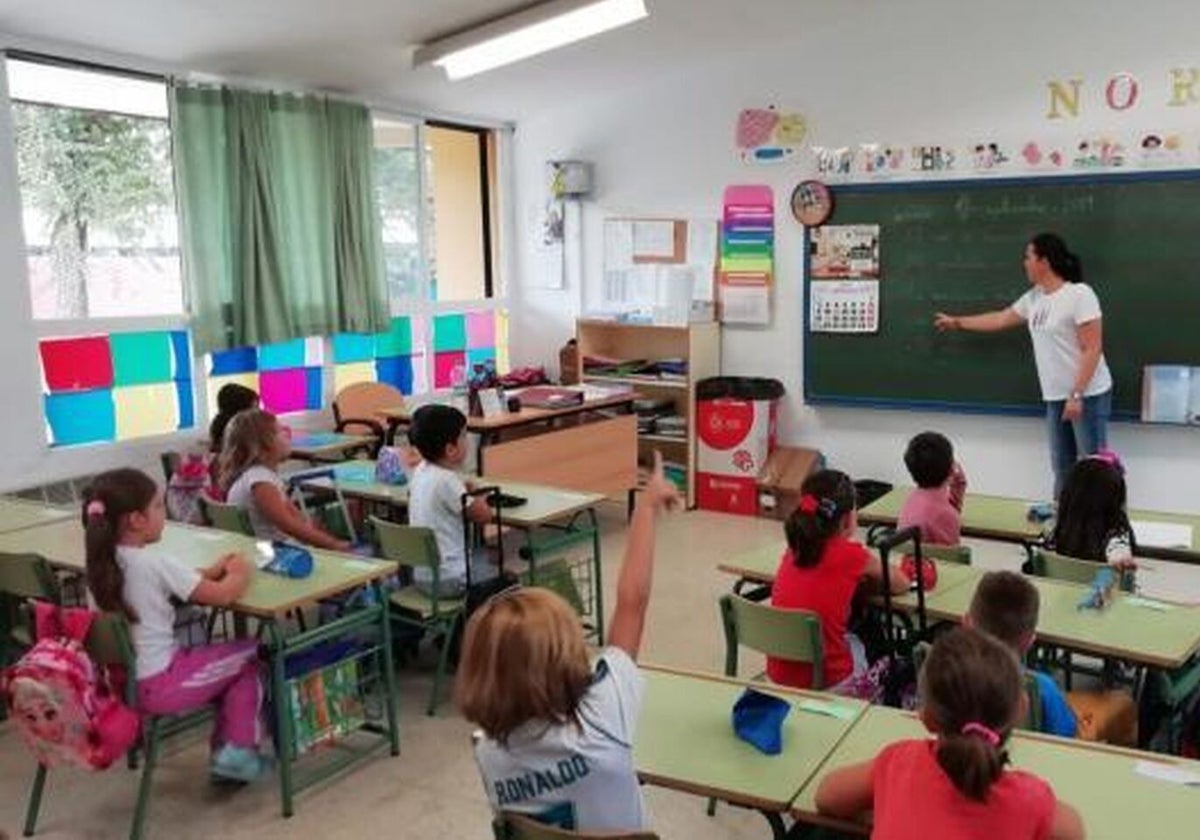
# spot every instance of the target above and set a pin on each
(39, 710)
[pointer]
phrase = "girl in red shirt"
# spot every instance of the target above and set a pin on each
(820, 572)
(972, 695)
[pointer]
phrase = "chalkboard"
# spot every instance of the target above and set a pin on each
(956, 246)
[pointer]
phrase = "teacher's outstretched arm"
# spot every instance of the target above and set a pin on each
(1000, 319)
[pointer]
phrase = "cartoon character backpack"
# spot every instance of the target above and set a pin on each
(61, 703)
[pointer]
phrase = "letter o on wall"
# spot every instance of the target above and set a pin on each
(1121, 92)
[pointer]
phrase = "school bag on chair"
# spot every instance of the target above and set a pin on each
(62, 705)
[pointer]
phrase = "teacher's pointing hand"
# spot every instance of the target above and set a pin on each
(946, 323)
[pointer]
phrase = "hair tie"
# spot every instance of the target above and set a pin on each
(1111, 458)
(986, 733)
(808, 503)
(94, 508)
(823, 507)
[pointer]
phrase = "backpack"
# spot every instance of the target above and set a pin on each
(189, 483)
(60, 702)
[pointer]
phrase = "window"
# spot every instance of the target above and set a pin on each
(98, 205)
(459, 220)
(398, 191)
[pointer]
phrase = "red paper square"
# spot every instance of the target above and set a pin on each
(76, 364)
(444, 365)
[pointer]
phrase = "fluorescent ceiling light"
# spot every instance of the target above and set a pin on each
(540, 29)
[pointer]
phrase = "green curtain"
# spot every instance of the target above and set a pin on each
(281, 233)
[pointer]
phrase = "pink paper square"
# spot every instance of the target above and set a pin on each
(283, 391)
(481, 330)
(444, 365)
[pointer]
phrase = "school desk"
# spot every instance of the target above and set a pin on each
(270, 598)
(1143, 631)
(685, 741)
(590, 447)
(1178, 554)
(759, 566)
(1100, 781)
(18, 514)
(989, 517)
(328, 446)
(553, 520)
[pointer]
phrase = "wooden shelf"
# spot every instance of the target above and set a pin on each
(637, 381)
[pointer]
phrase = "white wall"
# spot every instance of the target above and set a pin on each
(929, 71)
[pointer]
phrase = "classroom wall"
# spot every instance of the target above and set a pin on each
(860, 72)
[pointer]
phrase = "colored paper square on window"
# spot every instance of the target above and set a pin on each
(420, 374)
(449, 333)
(352, 374)
(396, 371)
(237, 360)
(144, 410)
(397, 341)
(216, 383)
(76, 364)
(444, 365)
(281, 356)
(502, 361)
(481, 330)
(187, 403)
(284, 391)
(314, 352)
(315, 392)
(81, 417)
(182, 351)
(141, 358)
(481, 356)
(349, 348)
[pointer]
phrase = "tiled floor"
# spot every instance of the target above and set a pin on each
(432, 790)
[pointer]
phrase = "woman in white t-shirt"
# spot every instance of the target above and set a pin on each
(1065, 323)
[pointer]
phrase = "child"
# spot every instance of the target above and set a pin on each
(1005, 605)
(435, 491)
(232, 399)
(1091, 523)
(820, 571)
(123, 515)
(936, 505)
(955, 785)
(255, 445)
(557, 740)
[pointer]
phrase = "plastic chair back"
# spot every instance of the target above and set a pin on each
(226, 517)
(794, 635)
(1049, 564)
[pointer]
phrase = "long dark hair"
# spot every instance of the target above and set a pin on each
(1091, 510)
(971, 687)
(1052, 248)
(231, 399)
(111, 497)
(825, 497)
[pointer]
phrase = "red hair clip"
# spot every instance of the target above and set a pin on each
(808, 503)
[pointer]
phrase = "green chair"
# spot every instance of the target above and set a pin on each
(773, 631)
(958, 554)
(226, 517)
(559, 579)
(510, 826)
(416, 548)
(23, 578)
(109, 643)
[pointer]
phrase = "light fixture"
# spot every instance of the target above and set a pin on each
(529, 32)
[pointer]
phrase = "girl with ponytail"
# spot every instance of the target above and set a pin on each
(972, 696)
(123, 519)
(820, 572)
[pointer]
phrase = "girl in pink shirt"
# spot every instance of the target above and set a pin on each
(955, 785)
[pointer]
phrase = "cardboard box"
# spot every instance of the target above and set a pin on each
(734, 437)
(727, 493)
(781, 478)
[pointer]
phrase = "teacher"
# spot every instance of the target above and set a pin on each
(1064, 318)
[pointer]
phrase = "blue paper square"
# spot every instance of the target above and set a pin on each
(313, 381)
(282, 356)
(81, 417)
(396, 371)
(353, 347)
(187, 403)
(182, 351)
(237, 360)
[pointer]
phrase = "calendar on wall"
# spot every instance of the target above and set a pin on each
(844, 306)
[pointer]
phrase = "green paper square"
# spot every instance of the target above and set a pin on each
(449, 333)
(397, 341)
(141, 358)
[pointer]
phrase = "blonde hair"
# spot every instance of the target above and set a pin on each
(247, 438)
(523, 658)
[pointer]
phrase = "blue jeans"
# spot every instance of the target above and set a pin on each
(1070, 441)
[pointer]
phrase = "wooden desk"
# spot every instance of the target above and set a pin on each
(325, 446)
(269, 598)
(18, 514)
(685, 741)
(1115, 802)
(575, 447)
(988, 517)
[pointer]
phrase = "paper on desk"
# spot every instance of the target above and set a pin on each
(360, 565)
(833, 710)
(1138, 601)
(1162, 534)
(1166, 773)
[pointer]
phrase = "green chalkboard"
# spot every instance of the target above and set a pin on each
(956, 246)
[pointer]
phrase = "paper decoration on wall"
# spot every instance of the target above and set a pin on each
(659, 270)
(287, 375)
(812, 203)
(1098, 153)
(833, 162)
(768, 135)
(987, 156)
(844, 251)
(1161, 149)
(396, 357)
(932, 158)
(844, 306)
(878, 159)
(1037, 156)
(103, 388)
(747, 254)
(461, 341)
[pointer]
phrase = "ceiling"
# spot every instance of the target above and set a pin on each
(363, 47)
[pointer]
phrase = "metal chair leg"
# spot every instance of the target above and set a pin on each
(143, 800)
(35, 800)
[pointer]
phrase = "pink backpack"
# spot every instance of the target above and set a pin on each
(61, 703)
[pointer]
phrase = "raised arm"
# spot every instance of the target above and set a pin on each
(996, 321)
(633, 584)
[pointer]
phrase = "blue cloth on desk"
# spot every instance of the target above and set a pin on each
(758, 720)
